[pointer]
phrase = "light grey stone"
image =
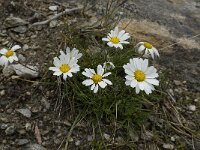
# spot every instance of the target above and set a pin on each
(168, 146)
(53, 8)
(10, 130)
(14, 22)
(27, 71)
(53, 23)
(21, 142)
(8, 71)
(34, 147)
(20, 29)
(25, 112)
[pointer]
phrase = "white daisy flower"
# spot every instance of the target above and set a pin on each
(8, 56)
(108, 65)
(74, 53)
(96, 79)
(147, 49)
(140, 76)
(116, 38)
(65, 66)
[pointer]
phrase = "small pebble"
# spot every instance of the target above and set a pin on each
(25, 47)
(53, 8)
(2, 93)
(168, 146)
(173, 139)
(10, 130)
(192, 107)
(77, 143)
(106, 136)
(25, 112)
(22, 141)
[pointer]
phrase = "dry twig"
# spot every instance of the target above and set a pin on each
(66, 11)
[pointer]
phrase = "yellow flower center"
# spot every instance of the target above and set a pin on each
(147, 45)
(9, 53)
(115, 40)
(96, 78)
(64, 68)
(139, 75)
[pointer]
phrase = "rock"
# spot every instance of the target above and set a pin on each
(27, 71)
(8, 71)
(53, 8)
(147, 135)
(21, 131)
(5, 43)
(192, 107)
(10, 130)
(28, 126)
(21, 58)
(21, 142)
(168, 146)
(14, 22)
(25, 112)
(20, 29)
(2, 93)
(34, 147)
(53, 23)
(25, 47)
(4, 126)
(173, 139)
(77, 143)
(106, 136)
(45, 103)
(90, 138)
(177, 82)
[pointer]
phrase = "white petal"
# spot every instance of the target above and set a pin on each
(140, 43)
(128, 82)
(107, 81)
(106, 74)
(87, 73)
(100, 70)
(151, 52)
(57, 73)
(56, 62)
(137, 89)
(102, 84)
(10, 59)
(54, 69)
(155, 51)
(116, 31)
(92, 87)
(128, 77)
(69, 74)
(16, 47)
(124, 42)
(15, 58)
(141, 49)
(121, 33)
(110, 44)
(142, 85)
(3, 61)
(64, 76)
(133, 83)
(120, 46)
(152, 81)
(88, 82)
(145, 65)
(125, 37)
(96, 88)
(3, 51)
(105, 39)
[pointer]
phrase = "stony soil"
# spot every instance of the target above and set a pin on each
(27, 106)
